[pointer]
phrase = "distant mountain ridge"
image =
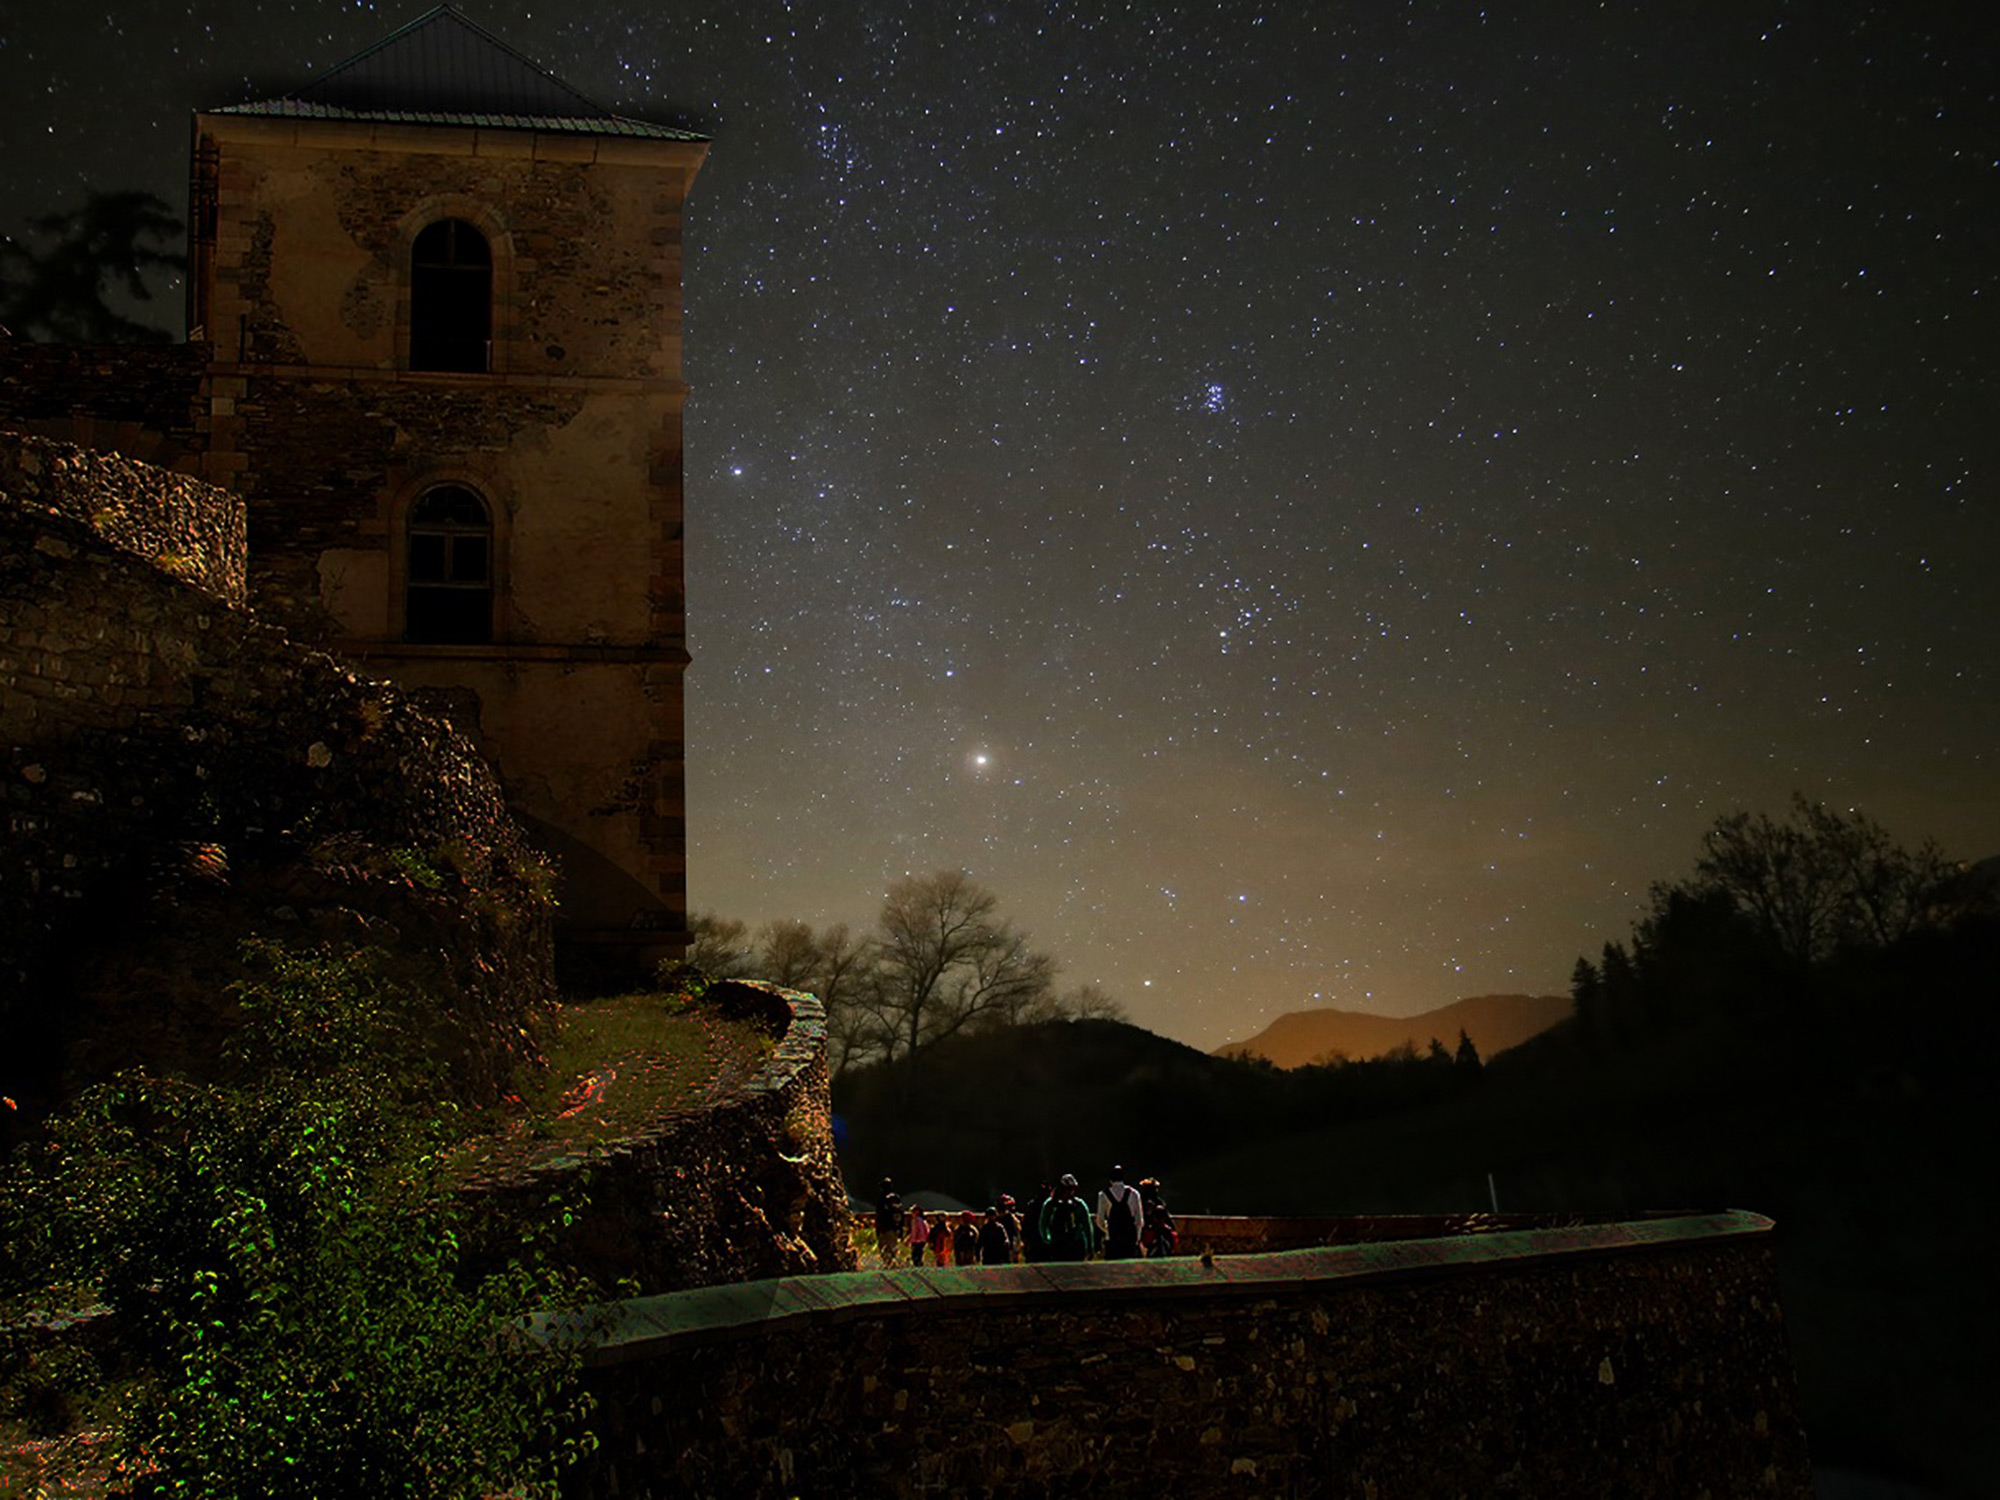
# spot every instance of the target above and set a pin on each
(1494, 1022)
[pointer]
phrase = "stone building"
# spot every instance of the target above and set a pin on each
(436, 297)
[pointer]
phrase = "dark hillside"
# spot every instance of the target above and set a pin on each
(1010, 1108)
(1013, 1107)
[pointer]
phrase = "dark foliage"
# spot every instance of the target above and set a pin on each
(57, 292)
(283, 1263)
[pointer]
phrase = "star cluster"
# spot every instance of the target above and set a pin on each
(1312, 504)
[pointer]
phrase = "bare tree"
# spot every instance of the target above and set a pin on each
(1779, 877)
(718, 946)
(1892, 891)
(944, 961)
(1819, 880)
(788, 954)
(843, 968)
(836, 967)
(1091, 1002)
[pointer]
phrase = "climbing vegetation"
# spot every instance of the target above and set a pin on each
(283, 1279)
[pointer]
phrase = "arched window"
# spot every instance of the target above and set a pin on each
(451, 298)
(448, 596)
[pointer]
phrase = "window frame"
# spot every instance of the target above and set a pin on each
(500, 301)
(452, 533)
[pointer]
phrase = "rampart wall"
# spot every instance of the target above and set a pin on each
(1638, 1360)
(745, 1190)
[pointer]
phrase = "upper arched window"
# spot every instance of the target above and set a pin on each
(448, 594)
(451, 298)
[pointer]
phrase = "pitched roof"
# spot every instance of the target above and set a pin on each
(443, 69)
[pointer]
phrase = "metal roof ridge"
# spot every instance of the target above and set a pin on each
(447, 12)
(289, 107)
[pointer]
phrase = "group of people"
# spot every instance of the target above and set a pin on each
(1057, 1224)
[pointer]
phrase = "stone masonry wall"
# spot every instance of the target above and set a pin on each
(179, 776)
(747, 1190)
(318, 457)
(1637, 1361)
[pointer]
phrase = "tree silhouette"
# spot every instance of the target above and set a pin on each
(834, 965)
(1776, 909)
(57, 294)
(1586, 993)
(946, 961)
(1821, 880)
(719, 946)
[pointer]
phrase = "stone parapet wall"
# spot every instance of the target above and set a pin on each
(179, 776)
(1644, 1360)
(187, 529)
(139, 400)
(745, 1190)
(1233, 1234)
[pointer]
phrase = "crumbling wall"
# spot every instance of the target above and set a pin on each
(745, 1190)
(180, 776)
(191, 531)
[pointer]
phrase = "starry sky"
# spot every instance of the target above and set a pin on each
(1312, 504)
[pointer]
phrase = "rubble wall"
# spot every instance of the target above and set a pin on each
(180, 776)
(191, 531)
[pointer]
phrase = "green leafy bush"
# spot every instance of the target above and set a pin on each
(285, 1264)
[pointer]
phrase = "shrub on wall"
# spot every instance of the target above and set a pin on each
(282, 1262)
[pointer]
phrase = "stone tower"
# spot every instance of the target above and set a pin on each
(443, 294)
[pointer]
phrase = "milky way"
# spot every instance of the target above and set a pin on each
(1311, 504)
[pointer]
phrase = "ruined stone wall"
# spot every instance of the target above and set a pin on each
(180, 776)
(189, 530)
(1637, 1361)
(138, 400)
(743, 1191)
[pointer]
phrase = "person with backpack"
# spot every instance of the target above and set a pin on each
(1121, 1216)
(888, 1221)
(996, 1239)
(1034, 1248)
(1160, 1237)
(965, 1240)
(1010, 1219)
(1066, 1229)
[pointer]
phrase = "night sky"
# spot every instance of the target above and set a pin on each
(1309, 510)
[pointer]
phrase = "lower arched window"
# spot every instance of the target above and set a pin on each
(448, 597)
